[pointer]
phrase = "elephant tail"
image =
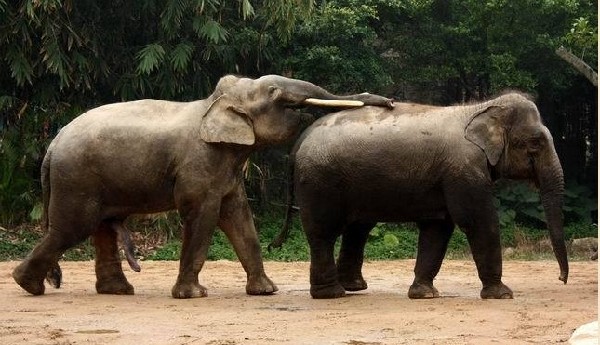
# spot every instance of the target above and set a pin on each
(290, 208)
(45, 177)
(54, 274)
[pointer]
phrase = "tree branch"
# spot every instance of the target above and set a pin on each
(578, 64)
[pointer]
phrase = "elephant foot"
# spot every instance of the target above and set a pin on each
(260, 285)
(188, 290)
(54, 276)
(422, 291)
(27, 281)
(114, 287)
(327, 291)
(355, 284)
(497, 291)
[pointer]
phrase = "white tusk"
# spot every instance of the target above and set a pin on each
(333, 103)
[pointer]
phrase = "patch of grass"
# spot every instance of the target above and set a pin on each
(168, 251)
(295, 247)
(392, 241)
(158, 238)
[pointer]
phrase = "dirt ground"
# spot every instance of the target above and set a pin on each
(544, 311)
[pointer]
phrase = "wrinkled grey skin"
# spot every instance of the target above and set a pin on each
(54, 275)
(432, 165)
(150, 156)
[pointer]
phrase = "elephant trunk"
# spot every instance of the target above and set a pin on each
(303, 92)
(551, 183)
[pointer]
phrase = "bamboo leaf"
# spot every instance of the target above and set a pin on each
(20, 69)
(172, 15)
(150, 58)
(181, 55)
(247, 9)
(212, 31)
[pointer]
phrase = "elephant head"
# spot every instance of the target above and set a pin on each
(261, 111)
(509, 130)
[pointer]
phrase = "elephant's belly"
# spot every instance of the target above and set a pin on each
(138, 201)
(397, 207)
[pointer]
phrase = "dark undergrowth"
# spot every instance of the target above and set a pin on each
(157, 237)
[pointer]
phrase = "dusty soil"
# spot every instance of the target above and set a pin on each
(543, 311)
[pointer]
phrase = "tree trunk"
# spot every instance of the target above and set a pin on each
(578, 64)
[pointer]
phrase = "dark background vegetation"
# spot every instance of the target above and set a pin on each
(61, 57)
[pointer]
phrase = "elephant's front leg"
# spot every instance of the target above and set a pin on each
(199, 222)
(109, 272)
(480, 223)
(237, 223)
(485, 246)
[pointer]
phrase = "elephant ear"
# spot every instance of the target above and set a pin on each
(485, 130)
(225, 122)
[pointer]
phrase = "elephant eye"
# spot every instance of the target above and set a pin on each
(534, 144)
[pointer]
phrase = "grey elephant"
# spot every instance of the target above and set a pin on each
(435, 166)
(150, 156)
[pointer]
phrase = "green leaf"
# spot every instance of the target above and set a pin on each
(213, 31)
(390, 240)
(247, 9)
(150, 58)
(534, 213)
(181, 55)
(36, 213)
(20, 69)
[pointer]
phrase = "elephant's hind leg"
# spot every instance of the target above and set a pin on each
(43, 260)
(350, 259)
(30, 273)
(323, 271)
(434, 236)
(110, 278)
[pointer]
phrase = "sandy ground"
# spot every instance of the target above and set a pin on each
(544, 311)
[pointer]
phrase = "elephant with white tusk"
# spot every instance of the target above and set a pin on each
(150, 156)
(435, 166)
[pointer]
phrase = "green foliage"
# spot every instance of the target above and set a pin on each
(150, 58)
(478, 48)
(580, 203)
(295, 247)
(61, 57)
(582, 38)
(517, 199)
(17, 244)
(23, 140)
(169, 251)
(82, 252)
(580, 230)
(518, 202)
(338, 37)
(391, 241)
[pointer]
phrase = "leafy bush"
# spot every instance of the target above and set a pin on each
(169, 251)
(519, 202)
(16, 243)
